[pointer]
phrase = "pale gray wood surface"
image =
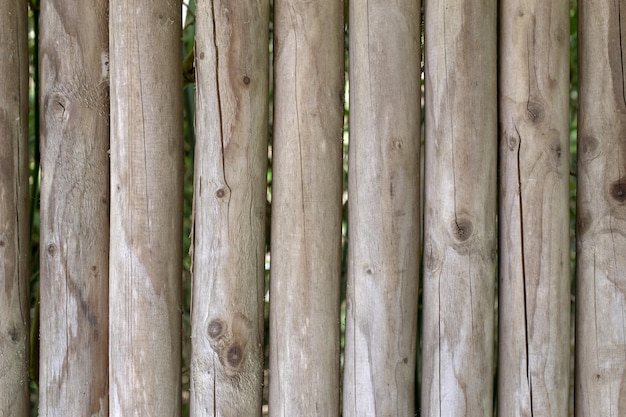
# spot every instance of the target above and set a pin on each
(534, 279)
(384, 224)
(306, 208)
(229, 208)
(14, 212)
(601, 211)
(459, 208)
(146, 208)
(74, 226)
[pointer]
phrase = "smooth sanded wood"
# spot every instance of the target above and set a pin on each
(459, 212)
(14, 218)
(534, 279)
(229, 207)
(601, 212)
(146, 208)
(74, 208)
(306, 208)
(383, 254)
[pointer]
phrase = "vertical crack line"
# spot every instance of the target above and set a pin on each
(354, 348)
(621, 47)
(214, 391)
(439, 341)
(595, 312)
(292, 13)
(143, 126)
(369, 62)
(613, 245)
(18, 187)
(471, 295)
(218, 93)
(448, 104)
(16, 202)
(619, 181)
(128, 293)
(531, 79)
(67, 352)
(523, 255)
(351, 301)
(614, 276)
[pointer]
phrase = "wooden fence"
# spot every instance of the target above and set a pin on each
(492, 231)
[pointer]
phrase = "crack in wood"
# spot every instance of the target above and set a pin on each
(523, 264)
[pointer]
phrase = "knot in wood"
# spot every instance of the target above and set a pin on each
(462, 229)
(51, 249)
(14, 334)
(588, 147)
(513, 142)
(535, 112)
(397, 143)
(618, 190)
(216, 328)
(432, 257)
(234, 355)
(557, 149)
(59, 107)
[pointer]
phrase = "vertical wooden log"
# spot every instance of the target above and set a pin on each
(146, 208)
(601, 209)
(460, 201)
(383, 255)
(306, 208)
(14, 228)
(229, 207)
(74, 208)
(534, 307)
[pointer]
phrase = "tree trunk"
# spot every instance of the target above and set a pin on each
(459, 212)
(146, 208)
(14, 218)
(534, 317)
(306, 208)
(601, 208)
(229, 207)
(383, 259)
(74, 209)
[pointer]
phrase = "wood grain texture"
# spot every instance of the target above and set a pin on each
(14, 217)
(534, 302)
(383, 254)
(459, 212)
(306, 208)
(601, 209)
(74, 208)
(146, 208)
(229, 207)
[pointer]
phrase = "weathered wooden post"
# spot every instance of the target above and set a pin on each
(534, 302)
(601, 211)
(14, 218)
(383, 257)
(459, 212)
(146, 208)
(229, 207)
(74, 208)
(306, 208)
